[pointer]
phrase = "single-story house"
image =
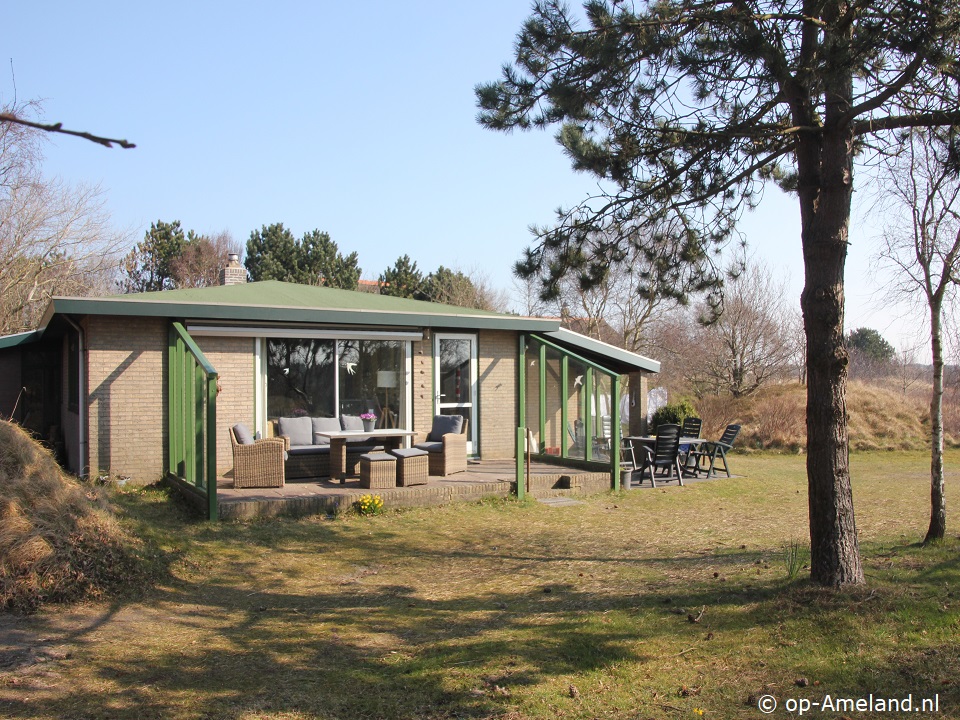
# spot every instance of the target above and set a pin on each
(146, 385)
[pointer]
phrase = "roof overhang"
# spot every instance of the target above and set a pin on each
(609, 356)
(24, 338)
(223, 312)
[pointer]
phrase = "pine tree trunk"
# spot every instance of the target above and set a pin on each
(825, 175)
(938, 506)
(834, 549)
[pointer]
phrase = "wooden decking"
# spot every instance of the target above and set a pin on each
(482, 479)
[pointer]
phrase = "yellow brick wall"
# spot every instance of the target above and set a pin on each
(233, 359)
(498, 401)
(126, 384)
(127, 376)
(423, 383)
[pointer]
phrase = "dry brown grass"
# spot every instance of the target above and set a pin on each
(880, 418)
(507, 610)
(58, 539)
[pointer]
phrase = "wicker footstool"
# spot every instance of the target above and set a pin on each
(413, 466)
(378, 470)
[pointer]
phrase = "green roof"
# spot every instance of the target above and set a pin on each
(275, 301)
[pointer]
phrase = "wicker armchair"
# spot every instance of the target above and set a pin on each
(259, 465)
(448, 454)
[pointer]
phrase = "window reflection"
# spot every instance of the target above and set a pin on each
(300, 378)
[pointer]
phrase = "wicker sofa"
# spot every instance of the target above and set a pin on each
(308, 456)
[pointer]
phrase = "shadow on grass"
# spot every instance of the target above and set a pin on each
(362, 647)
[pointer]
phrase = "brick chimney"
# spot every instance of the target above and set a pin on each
(233, 273)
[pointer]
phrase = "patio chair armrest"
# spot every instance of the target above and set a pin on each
(454, 442)
(283, 439)
(262, 447)
(418, 437)
(716, 445)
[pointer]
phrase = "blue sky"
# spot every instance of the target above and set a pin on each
(357, 119)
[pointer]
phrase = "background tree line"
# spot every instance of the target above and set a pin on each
(168, 258)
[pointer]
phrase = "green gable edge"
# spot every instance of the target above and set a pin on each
(9, 341)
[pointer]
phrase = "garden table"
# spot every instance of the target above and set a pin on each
(648, 441)
(391, 438)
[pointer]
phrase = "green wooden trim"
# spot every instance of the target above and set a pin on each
(521, 456)
(192, 416)
(542, 430)
(615, 430)
(521, 429)
(565, 409)
(579, 358)
(189, 417)
(171, 393)
(193, 348)
(212, 511)
(588, 399)
(199, 400)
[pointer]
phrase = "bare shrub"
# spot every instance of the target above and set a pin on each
(717, 412)
(779, 422)
(774, 418)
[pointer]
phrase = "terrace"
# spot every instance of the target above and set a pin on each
(490, 478)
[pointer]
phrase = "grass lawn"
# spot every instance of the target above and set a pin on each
(667, 603)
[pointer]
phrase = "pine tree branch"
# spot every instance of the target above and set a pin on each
(899, 122)
(58, 128)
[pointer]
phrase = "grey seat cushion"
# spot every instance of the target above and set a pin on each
(324, 424)
(433, 447)
(444, 424)
(409, 452)
(351, 423)
(309, 450)
(243, 434)
(298, 429)
(378, 457)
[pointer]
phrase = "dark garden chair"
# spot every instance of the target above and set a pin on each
(710, 453)
(663, 456)
(690, 429)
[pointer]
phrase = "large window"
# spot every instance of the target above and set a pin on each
(301, 378)
(328, 378)
(371, 380)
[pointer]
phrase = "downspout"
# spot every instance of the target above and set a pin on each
(81, 404)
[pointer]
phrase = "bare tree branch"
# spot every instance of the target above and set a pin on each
(58, 128)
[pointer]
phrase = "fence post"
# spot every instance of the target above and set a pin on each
(521, 454)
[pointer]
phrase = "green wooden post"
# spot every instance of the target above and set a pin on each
(212, 509)
(542, 430)
(521, 434)
(171, 393)
(177, 400)
(615, 430)
(199, 400)
(588, 415)
(189, 444)
(521, 475)
(564, 409)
